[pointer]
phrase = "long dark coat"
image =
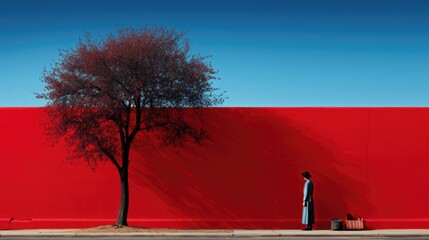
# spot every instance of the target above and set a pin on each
(308, 209)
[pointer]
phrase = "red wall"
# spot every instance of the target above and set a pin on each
(371, 162)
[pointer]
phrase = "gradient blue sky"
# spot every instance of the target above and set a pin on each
(268, 52)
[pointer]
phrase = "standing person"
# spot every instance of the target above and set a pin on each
(308, 203)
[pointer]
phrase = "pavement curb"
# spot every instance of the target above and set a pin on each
(417, 233)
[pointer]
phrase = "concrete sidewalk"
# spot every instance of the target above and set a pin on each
(221, 233)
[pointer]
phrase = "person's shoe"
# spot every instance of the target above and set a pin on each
(307, 229)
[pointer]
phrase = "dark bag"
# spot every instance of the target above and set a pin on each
(336, 224)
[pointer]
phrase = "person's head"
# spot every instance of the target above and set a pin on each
(306, 175)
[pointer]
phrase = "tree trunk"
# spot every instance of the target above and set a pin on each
(123, 208)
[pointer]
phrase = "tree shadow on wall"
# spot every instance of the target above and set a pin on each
(247, 175)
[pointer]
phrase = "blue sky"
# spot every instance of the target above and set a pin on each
(268, 52)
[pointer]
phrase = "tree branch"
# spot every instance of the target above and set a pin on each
(113, 159)
(122, 134)
(106, 152)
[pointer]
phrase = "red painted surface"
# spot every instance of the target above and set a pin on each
(371, 162)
